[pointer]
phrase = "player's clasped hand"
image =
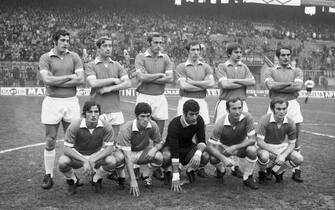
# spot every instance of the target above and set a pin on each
(151, 154)
(228, 151)
(88, 170)
(195, 161)
(134, 190)
(175, 186)
(280, 160)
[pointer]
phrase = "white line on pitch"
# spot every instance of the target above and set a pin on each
(309, 132)
(24, 147)
(132, 102)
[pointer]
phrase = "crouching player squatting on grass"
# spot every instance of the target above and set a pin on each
(88, 144)
(274, 149)
(234, 135)
(140, 141)
(180, 148)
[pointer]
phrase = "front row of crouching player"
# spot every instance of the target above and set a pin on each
(89, 144)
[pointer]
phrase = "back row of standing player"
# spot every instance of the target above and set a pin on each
(62, 71)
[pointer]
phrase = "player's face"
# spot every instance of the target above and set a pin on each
(92, 115)
(106, 49)
(280, 111)
(63, 43)
(236, 55)
(143, 120)
(235, 110)
(156, 44)
(191, 117)
(194, 52)
(284, 57)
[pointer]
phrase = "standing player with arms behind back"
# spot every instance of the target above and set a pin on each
(61, 71)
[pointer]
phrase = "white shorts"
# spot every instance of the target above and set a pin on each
(293, 111)
(158, 105)
(278, 148)
(115, 118)
(221, 109)
(55, 110)
(203, 108)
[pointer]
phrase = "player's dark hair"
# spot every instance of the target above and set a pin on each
(277, 100)
(283, 48)
(152, 35)
(59, 33)
(141, 108)
(232, 100)
(87, 106)
(190, 105)
(231, 47)
(102, 40)
(192, 43)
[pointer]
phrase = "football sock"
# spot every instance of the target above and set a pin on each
(99, 174)
(121, 173)
(247, 166)
(49, 161)
(263, 166)
(220, 167)
(70, 175)
(296, 167)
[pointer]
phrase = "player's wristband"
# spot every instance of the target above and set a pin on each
(198, 153)
(175, 177)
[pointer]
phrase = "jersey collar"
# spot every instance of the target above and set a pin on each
(230, 63)
(190, 63)
(99, 60)
(83, 123)
(227, 122)
(280, 67)
(135, 128)
(147, 53)
(52, 53)
(272, 119)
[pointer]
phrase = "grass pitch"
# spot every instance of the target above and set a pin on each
(22, 170)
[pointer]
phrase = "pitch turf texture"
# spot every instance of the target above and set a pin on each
(22, 170)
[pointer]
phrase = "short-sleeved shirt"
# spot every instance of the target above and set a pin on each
(180, 135)
(197, 72)
(229, 70)
(272, 134)
(131, 138)
(280, 74)
(231, 134)
(148, 64)
(56, 66)
(110, 102)
(88, 141)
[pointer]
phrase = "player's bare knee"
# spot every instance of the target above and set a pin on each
(110, 161)
(119, 157)
(64, 163)
(158, 158)
(50, 143)
(251, 152)
(296, 158)
(166, 157)
(263, 156)
(204, 158)
(213, 160)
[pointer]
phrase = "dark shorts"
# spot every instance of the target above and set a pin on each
(185, 154)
